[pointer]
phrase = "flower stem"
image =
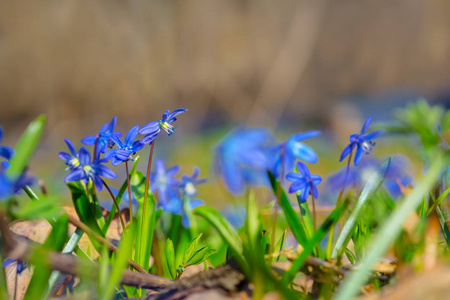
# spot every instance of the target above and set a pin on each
(314, 208)
(129, 191)
(147, 180)
(345, 178)
(116, 204)
(274, 225)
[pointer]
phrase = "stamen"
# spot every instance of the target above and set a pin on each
(167, 127)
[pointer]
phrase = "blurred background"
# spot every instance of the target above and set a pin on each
(288, 65)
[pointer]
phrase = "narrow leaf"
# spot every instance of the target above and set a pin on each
(170, 258)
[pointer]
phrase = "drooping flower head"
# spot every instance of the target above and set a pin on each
(163, 181)
(291, 150)
(242, 158)
(88, 169)
(5, 151)
(363, 142)
(126, 149)
(304, 182)
(104, 137)
(152, 129)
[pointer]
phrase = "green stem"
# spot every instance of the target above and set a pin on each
(129, 192)
(116, 204)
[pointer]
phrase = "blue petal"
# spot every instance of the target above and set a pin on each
(346, 151)
(75, 175)
(110, 154)
(117, 141)
(131, 135)
(65, 156)
(366, 125)
(316, 179)
(150, 127)
(303, 169)
(374, 135)
(71, 147)
(294, 176)
(112, 125)
(6, 152)
(298, 137)
(115, 161)
(137, 145)
(233, 177)
(104, 171)
(150, 137)
(358, 155)
(84, 156)
(315, 192)
(296, 186)
(98, 182)
(165, 115)
(303, 152)
(305, 192)
(89, 140)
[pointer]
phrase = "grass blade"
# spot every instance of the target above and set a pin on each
(390, 231)
(371, 187)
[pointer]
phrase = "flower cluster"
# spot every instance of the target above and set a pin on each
(83, 167)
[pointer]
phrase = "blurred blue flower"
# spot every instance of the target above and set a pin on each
(88, 169)
(152, 129)
(357, 178)
(243, 157)
(291, 150)
(162, 180)
(126, 149)
(235, 215)
(20, 264)
(104, 137)
(362, 142)
(10, 186)
(5, 151)
(304, 182)
(183, 202)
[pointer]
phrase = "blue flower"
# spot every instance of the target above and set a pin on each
(10, 186)
(357, 178)
(5, 151)
(182, 202)
(71, 159)
(152, 129)
(362, 142)
(242, 157)
(104, 137)
(162, 180)
(126, 149)
(294, 149)
(88, 169)
(235, 215)
(20, 264)
(304, 181)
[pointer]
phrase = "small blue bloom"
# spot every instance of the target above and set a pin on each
(294, 149)
(126, 149)
(88, 169)
(362, 142)
(242, 157)
(188, 183)
(162, 180)
(20, 264)
(72, 160)
(152, 129)
(304, 181)
(103, 138)
(10, 186)
(5, 151)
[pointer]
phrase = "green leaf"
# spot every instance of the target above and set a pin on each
(191, 248)
(308, 248)
(291, 216)
(170, 258)
(279, 245)
(444, 226)
(371, 187)
(438, 201)
(120, 264)
(200, 256)
(227, 232)
(26, 146)
(390, 230)
(83, 207)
